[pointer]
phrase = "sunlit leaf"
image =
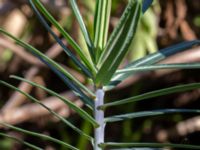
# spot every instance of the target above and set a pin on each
(101, 25)
(118, 47)
(158, 67)
(83, 28)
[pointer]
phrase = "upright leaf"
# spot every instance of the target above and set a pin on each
(66, 50)
(116, 50)
(70, 40)
(101, 25)
(83, 29)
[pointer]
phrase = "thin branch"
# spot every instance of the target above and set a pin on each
(16, 98)
(52, 52)
(19, 51)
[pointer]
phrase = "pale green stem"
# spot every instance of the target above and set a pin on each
(99, 117)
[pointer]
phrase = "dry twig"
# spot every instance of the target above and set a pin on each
(33, 111)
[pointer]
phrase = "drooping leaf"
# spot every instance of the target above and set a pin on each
(149, 113)
(151, 59)
(83, 29)
(39, 135)
(152, 94)
(59, 41)
(147, 145)
(69, 39)
(118, 47)
(48, 109)
(21, 141)
(59, 70)
(77, 109)
(101, 25)
(158, 67)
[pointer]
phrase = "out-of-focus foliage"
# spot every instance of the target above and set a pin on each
(145, 39)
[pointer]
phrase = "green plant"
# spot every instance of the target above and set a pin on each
(102, 71)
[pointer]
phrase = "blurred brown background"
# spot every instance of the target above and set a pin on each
(166, 23)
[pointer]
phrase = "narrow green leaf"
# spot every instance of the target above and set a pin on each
(163, 53)
(101, 25)
(115, 52)
(96, 14)
(147, 145)
(152, 59)
(47, 108)
(43, 136)
(152, 94)
(70, 40)
(157, 67)
(56, 68)
(123, 117)
(84, 98)
(81, 142)
(66, 50)
(21, 141)
(77, 109)
(83, 28)
(146, 5)
(117, 29)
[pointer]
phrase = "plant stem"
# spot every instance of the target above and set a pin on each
(99, 117)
